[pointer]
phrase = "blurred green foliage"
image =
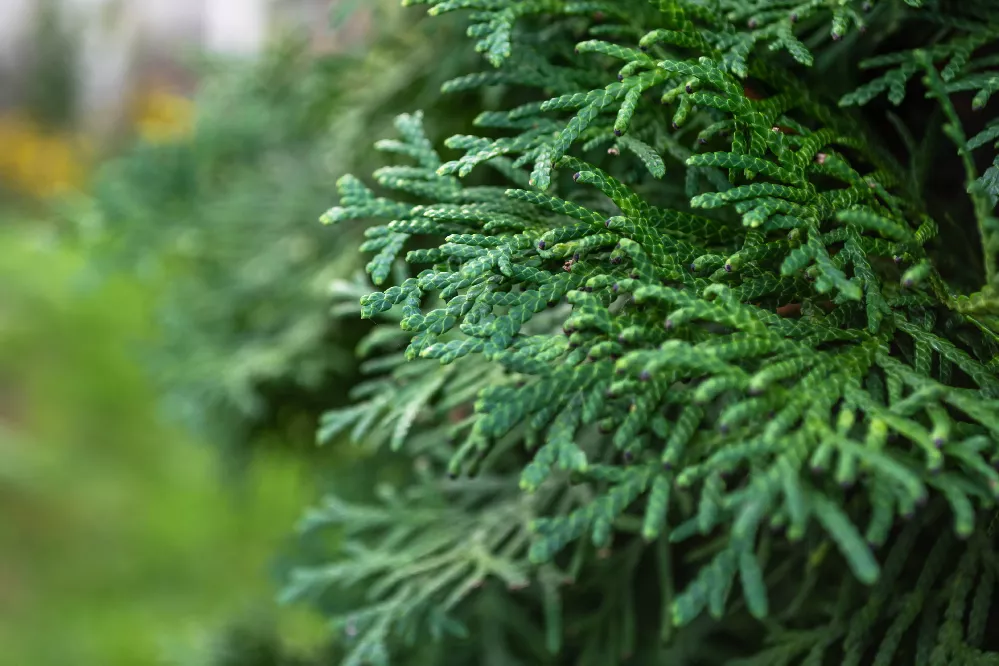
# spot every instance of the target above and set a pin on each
(51, 84)
(124, 542)
(221, 223)
(197, 263)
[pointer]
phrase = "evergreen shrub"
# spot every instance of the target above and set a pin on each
(706, 369)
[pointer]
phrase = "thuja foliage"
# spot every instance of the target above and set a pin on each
(707, 378)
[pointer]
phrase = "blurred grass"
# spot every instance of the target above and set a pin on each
(121, 541)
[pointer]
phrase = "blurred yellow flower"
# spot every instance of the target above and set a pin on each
(38, 163)
(162, 116)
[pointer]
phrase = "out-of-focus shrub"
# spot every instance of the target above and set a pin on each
(221, 222)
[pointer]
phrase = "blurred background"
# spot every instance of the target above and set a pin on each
(168, 336)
